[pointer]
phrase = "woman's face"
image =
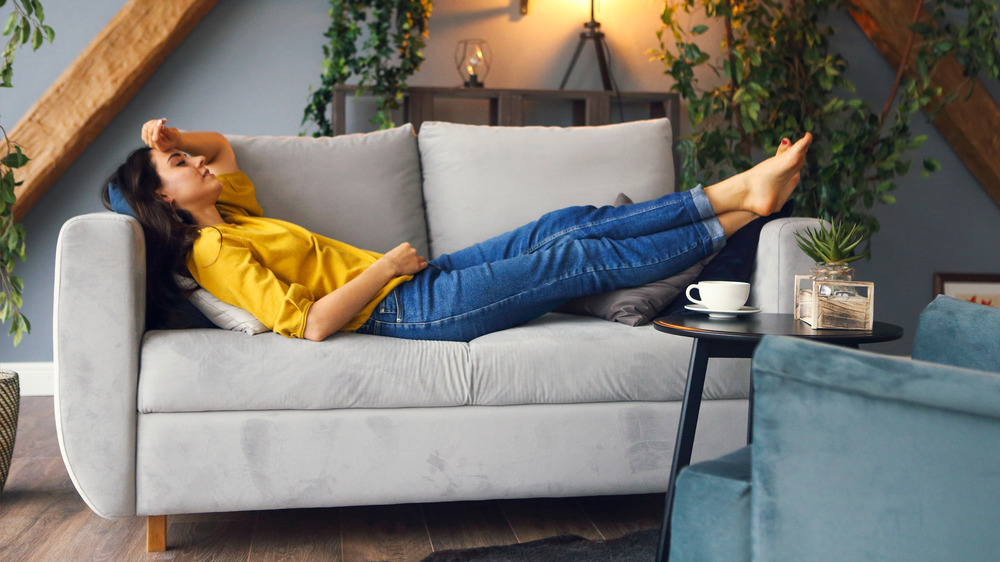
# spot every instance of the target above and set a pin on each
(187, 183)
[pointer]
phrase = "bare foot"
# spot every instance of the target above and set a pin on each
(770, 183)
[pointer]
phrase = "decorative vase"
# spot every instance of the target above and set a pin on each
(10, 396)
(833, 272)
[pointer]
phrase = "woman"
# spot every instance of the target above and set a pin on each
(201, 219)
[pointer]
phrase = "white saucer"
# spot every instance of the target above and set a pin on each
(723, 313)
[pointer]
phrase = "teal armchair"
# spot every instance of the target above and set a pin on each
(859, 456)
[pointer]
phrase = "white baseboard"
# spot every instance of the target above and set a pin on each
(35, 378)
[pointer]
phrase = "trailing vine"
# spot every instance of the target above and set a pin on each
(24, 24)
(781, 78)
(392, 34)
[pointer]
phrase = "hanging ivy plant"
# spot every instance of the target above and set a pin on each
(24, 24)
(392, 34)
(781, 78)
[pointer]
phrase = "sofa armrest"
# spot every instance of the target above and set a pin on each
(778, 261)
(98, 322)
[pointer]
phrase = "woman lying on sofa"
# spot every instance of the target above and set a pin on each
(201, 219)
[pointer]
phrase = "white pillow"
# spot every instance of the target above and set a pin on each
(483, 181)
(223, 315)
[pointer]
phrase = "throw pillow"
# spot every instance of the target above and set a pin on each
(223, 315)
(635, 306)
(735, 261)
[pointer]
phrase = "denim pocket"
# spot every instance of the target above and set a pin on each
(391, 308)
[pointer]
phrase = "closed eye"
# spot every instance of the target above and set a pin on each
(178, 158)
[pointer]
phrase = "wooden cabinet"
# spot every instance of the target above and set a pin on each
(506, 107)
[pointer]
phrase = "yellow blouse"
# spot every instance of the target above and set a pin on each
(271, 268)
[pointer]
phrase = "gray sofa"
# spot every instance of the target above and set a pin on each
(166, 422)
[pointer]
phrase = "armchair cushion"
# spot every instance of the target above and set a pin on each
(959, 333)
(712, 510)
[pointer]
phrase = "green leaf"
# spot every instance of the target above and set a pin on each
(36, 39)
(8, 196)
(15, 159)
(699, 29)
(11, 21)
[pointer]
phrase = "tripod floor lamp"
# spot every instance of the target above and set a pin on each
(592, 33)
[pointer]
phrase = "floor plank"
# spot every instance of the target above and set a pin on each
(616, 516)
(297, 534)
(392, 533)
(539, 518)
(467, 525)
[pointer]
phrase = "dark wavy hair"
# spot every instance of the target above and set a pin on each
(169, 233)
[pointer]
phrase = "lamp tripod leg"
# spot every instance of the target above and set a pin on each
(602, 62)
(576, 55)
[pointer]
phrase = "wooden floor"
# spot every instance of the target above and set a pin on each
(43, 518)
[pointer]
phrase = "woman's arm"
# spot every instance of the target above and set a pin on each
(219, 156)
(332, 312)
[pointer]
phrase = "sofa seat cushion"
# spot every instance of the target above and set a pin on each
(192, 371)
(563, 358)
(556, 359)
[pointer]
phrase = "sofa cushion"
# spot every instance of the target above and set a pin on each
(483, 181)
(340, 186)
(193, 371)
(562, 358)
(557, 359)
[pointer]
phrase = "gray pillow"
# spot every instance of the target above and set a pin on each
(637, 305)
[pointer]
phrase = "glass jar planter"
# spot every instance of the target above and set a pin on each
(834, 272)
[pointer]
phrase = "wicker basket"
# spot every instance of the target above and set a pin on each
(10, 396)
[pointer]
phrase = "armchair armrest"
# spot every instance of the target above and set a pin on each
(778, 261)
(99, 319)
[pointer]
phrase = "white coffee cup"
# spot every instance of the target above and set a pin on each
(720, 295)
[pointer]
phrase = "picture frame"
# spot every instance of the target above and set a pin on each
(981, 288)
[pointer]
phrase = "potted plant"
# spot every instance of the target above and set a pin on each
(830, 298)
(779, 78)
(24, 24)
(394, 36)
(832, 249)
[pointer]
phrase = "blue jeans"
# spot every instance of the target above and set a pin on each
(518, 276)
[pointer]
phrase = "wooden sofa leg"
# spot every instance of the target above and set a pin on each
(156, 533)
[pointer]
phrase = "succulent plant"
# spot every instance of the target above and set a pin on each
(834, 245)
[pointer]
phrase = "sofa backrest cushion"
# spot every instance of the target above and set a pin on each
(362, 189)
(483, 181)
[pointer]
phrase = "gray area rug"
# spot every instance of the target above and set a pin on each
(640, 545)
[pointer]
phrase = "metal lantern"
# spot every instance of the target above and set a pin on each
(472, 60)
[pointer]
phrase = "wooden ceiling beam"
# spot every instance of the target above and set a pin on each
(95, 87)
(971, 126)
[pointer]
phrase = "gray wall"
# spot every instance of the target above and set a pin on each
(247, 67)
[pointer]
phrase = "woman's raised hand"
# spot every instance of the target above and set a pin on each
(158, 136)
(404, 260)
